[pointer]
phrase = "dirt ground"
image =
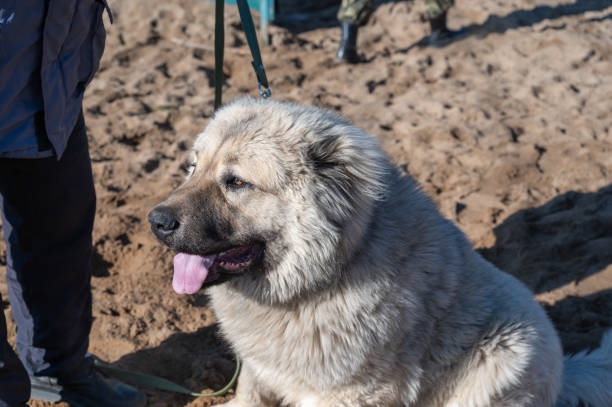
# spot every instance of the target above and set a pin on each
(508, 129)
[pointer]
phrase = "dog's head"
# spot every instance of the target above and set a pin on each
(278, 198)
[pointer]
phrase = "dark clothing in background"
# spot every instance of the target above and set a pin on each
(435, 8)
(359, 11)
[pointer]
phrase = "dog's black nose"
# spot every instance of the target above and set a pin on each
(163, 222)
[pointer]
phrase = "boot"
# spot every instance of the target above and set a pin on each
(440, 34)
(347, 52)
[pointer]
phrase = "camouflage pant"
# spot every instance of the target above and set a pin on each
(358, 11)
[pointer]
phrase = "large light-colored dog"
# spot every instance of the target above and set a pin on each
(338, 283)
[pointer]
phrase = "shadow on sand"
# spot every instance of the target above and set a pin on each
(198, 360)
(563, 241)
(568, 238)
(522, 18)
(326, 18)
(582, 321)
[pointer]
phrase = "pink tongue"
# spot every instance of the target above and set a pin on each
(190, 272)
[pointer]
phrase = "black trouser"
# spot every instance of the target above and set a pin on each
(48, 209)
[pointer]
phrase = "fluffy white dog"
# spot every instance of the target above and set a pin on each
(338, 283)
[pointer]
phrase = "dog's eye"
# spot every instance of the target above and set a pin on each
(236, 183)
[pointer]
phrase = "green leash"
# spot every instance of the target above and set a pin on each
(251, 36)
(141, 379)
(249, 31)
(219, 45)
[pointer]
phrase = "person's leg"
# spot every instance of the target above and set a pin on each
(352, 14)
(437, 11)
(48, 212)
(14, 381)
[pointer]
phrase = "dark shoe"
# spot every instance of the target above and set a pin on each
(440, 38)
(88, 390)
(440, 34)
(347, 51)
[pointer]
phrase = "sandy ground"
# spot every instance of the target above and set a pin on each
(509, 130)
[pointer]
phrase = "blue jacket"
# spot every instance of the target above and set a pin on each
(49, 52)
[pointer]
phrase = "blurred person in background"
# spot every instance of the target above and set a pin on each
(49, 52)
(355, 13)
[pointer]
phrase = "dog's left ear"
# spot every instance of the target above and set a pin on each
(324, 155)
(350, 164)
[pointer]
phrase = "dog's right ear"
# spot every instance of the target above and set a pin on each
(350, 168)
(323, 155)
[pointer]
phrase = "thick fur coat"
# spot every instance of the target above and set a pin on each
(362, 293)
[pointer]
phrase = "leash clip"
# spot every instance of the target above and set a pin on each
(264, 92)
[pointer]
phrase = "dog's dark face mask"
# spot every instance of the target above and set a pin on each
(213, 240)
(224, 220)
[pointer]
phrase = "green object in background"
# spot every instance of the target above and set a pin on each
(266, 14)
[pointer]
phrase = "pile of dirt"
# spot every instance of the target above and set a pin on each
(508, 129)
